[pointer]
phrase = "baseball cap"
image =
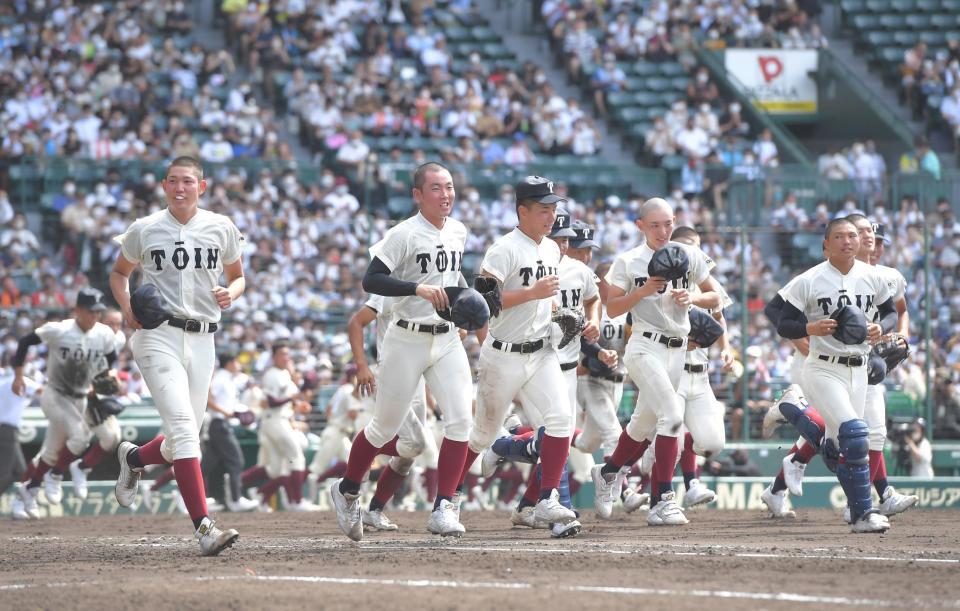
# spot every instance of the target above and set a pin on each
(538, 188)
(585, 234)
(91, 299)
(561, 226)
(880, 231)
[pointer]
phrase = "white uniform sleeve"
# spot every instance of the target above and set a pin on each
(392, 249)
(130, 244)
(788, 287)
(899, 287)
(273, 385)
(119, 341)
(50, 332)
(884, 290)
(233, 249)
(700, 266)
(618, 276)
(591, 283)
(498, 262)
(375, 303)
(796, 293)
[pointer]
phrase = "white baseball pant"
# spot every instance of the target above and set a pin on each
(599, 400)
(703, 414)
(875, 414)
(66, 427)
(177, 367)
(656, 370)
(284, 450)
(837, 391)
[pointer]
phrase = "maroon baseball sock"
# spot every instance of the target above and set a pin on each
(337, 470)
(553, 456)
(878, 476)
(430, 477)
(532, 494)
(387, 486)
(627, 448)
(63, 461)
(93, 456)
(804, 454)
(270, 488)
(467, 463)
(294, 486)
(148, 454)
(362, 454)
(574, 486)
(253, 475)
(450, 468)
(190, 481)
(510, 482)
(688, 460)
(163, 479)
(390, 448)
(666, 449)
(39, 470)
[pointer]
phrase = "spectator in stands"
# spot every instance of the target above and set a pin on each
(866, 173)
(10, 295)
(701, 90)
(607, 78)
(766, 150)
(18, 238)
(921, 158)
(659, 48)
(659, 140)
(921, 452)
(789, 216)
(586, 138)
(950, 110)
(519, 153)
(910, 72)
(693, 141)
(579, 46)
(706, 120)
(6, 209)
(49, 296)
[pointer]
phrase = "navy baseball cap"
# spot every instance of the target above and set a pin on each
(585, 234)
(561, 226)
(91, 299)
(880, 231)
(537, 188)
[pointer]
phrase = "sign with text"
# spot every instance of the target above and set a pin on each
(779, 81)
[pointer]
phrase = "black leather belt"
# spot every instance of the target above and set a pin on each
(694, 368)
(70, 394)
(522, 348)
(669, 342)
(193, 326)
(849, 361)
(616, 378)
(421, 328)
(568, 366)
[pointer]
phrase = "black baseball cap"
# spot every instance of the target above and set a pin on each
(91, 299)
(880, 232)
(537, 188)
(561, 226)
(585, 234)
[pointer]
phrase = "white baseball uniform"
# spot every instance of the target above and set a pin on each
(702, 414)
(340, 428)
(837, 391)
(875, 409)
(185, 262)
(517, 262)
(416, 251)
(74, 357)
(107, 430)
(599, 397)
(654, 366)
(283, 452)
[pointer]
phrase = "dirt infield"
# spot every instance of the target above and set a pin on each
(735, 559)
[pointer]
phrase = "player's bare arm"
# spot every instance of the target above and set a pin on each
(592, 329)
(212, 404)
(709, 297)
(236, 284)
(355, 326)
(120, 287)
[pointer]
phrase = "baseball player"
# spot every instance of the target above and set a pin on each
(516, 357)
(78, 349)
(223, 455)
(105, 427)
(702, 414)
(12, 464)
(182, 250)
(654, 357)
(413, 263)
(831, 303)
(412, 436)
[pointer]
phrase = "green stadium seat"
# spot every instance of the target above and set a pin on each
(484, 34)
(672, 69)
(878, 38)
(879, 6)
(496, 51)
(619, 98)
(457, 34)
(933, 38)
(853, 7)
(900, 404)
(630, 114)
(659, 84)
(680, 82)
(673, 163)
(918, 21)
(903, 6)
(890, 55)
(906, 38)
(645, 69)
(952, 6)
(866, 22)
(927, 6)
(891, 21)
(645, 98)
(399, 207)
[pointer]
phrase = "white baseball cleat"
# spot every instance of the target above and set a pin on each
(698, 494)
(79, 477)
(481, 497)
(604, 492)
(526, 517)
(347, 507)
(53, 487)
(214, 505)
(550, 510)
(892, 502)
(241, 505)
(126, 488)
(443, 521)
(213, 540)
(17, 510)
(303, 506)
(457, 502)
(774, 417)
(871, 522)
(29, 498)
(377, 521)
(667, 512)
(634, 500)
(793, 475)
(563, 531)
(777, 503)
(489, 462)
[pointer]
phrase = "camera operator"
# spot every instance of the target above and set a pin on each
(921, 453)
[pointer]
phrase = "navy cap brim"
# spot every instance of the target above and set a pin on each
(97, 307)
(563, 233)
(551, 198)
(583, 244)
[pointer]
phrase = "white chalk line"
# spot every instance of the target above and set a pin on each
(502, 585)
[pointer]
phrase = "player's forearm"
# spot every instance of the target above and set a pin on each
(120, 287)
(510, 299)
(707, 301)
(355, 336)
(621, 305)
(903, 322)
(236, 287)
(593, 311)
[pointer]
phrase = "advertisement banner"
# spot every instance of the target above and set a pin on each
(779, 81)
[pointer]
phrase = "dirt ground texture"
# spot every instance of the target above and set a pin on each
(295, 560)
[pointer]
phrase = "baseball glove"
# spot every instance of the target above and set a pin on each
(571, 323)
(893, 350)
(489, 288)
(105, 384)
(704, 328)
(149, 307)
(851, 325)
(103, 408)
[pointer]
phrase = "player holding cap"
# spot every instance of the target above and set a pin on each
(78, 349)
(414, 262)
(183, 251)
(831, 303)
(516, 357)
(654, 356)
